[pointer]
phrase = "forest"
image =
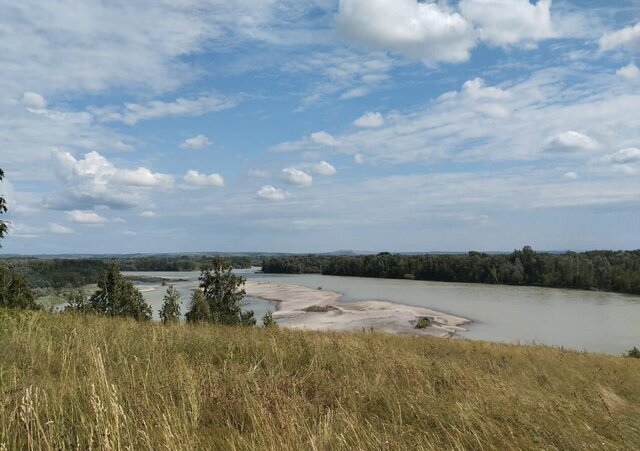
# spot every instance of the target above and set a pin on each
(74, 273)
(617, 271)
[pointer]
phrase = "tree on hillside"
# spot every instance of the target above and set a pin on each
(3, 209)
(224, 291)
(199, 311)
(268, 321)
(14, 291)
(116, 296)
(170, 311)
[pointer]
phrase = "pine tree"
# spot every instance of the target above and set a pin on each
(170, 311)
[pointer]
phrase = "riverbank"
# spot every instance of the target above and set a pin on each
(300, 307)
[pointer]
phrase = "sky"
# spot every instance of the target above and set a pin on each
(319, 125)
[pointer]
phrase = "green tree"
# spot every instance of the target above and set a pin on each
(170, 311)
(199, 311)
(14, 291)
(116, 296)
(3, 209)
(224, 291)
(268, 321)
(77, 301)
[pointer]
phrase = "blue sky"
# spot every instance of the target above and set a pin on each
(316, 125)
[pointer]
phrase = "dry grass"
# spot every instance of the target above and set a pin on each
(74, 382)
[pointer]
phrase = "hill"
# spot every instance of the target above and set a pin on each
(83, 382)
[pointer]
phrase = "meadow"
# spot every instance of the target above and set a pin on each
(73, 381)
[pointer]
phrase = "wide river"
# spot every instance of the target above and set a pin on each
(582, 320)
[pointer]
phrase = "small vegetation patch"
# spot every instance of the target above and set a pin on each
(633, 353)
(321, 308)
(423, 323)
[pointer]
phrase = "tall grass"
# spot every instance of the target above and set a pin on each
(83, 382)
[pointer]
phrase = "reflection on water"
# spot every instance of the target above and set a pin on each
(583, 320)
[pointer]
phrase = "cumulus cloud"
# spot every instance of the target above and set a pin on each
(269, 192)
(323, 138)
(94, 181)
(369, 120)
(196, 179)
(358, 158)
(630, 71)
(86, 217)
(627, 38)
(297, 177)
(34, 101)
(571, 141)
(570, 175)
(324, 168)
(419, 30)
(132, 113)
(58, 229)
(197, 142)
(509, 22)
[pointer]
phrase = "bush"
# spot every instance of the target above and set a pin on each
(633, 353)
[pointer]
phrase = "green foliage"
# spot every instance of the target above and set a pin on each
(423, 323)
(15, 292)
(77, 301)
(617, 271)
(634, 353)
(170, 311)
(224, 291)
(3, 209)
(268, 321)
(199, 311)
(116, 296)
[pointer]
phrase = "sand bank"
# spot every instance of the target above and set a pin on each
(305, 308)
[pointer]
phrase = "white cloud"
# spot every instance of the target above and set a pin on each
(95, 181)
(34, 100)
(570, 175)
(197, 142)
(86, 217)
(341, 71)
(58, 229)
(626, 161)
(358, 158)
(269, 192)
(354, 93)
(259, 173)
(323, 138)
(148, 214)
(369, 120)
(196, 179)
(627, 38)
(324, 168)
(509, 22)
(630, 71)
(476, 89)
(132, 113)
(419, 30)
(571, 141)
(297, 177)
(142, 177)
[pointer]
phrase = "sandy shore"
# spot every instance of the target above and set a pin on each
(294, 302)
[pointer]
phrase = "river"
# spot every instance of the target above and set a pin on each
(575, 319)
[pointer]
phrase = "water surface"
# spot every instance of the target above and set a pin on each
(576, 319)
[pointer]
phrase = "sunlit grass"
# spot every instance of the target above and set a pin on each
(82, 382)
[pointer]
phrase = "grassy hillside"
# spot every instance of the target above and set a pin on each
(74, 382)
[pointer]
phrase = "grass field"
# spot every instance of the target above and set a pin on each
(82, 382)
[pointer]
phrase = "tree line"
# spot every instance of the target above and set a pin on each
(617, 271)
(77, 272)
